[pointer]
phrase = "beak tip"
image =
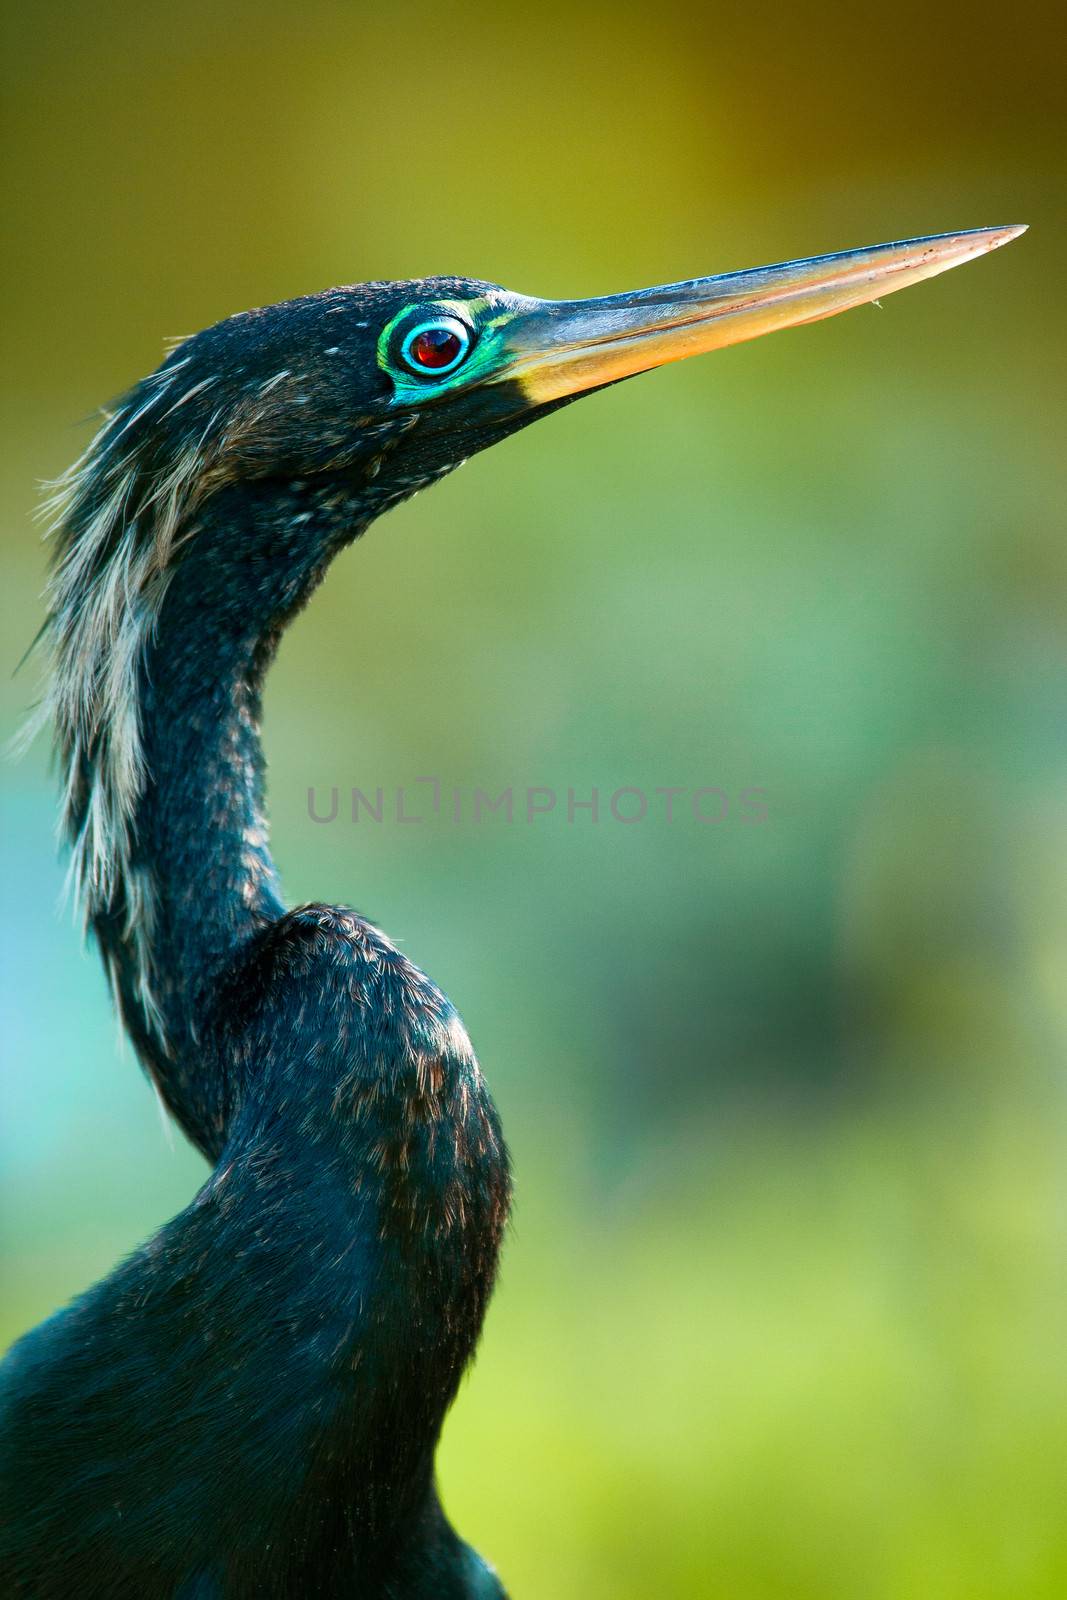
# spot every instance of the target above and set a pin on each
(589, 344)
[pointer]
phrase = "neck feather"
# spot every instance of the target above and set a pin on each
(166, 614)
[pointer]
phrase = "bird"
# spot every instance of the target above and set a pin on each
(249, 1404)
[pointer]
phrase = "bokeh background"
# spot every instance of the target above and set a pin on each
(784, 1308)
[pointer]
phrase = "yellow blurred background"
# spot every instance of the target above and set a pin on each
(784, 1309)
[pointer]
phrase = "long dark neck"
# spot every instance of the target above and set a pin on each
(200, 882)
(358, 1156)
(348, 1237)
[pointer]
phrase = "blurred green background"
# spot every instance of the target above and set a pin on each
(784, 1308)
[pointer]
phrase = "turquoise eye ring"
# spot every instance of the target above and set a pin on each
(436, 347)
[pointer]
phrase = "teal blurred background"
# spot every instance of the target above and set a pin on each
(784, 1308)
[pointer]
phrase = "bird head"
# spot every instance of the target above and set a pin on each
(386, 386)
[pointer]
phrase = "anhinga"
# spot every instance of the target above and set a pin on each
(249, 1405)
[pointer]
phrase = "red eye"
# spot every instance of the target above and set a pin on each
(436, 346)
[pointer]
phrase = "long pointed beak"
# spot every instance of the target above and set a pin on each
(565, 347)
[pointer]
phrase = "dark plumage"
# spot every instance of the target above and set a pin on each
(249, 1406)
